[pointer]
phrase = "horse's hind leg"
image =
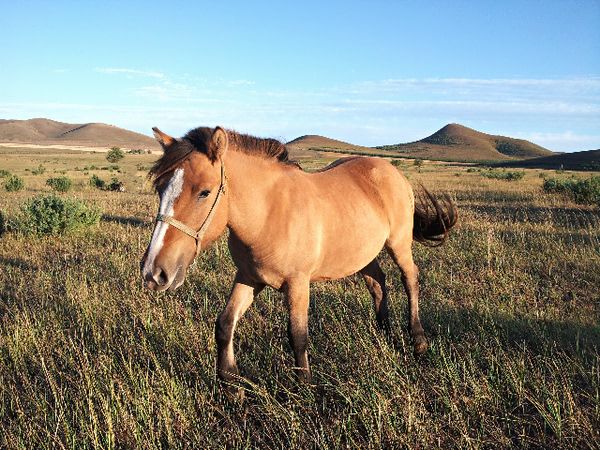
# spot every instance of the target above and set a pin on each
(375, 281)
(401, 253)
(297, 293)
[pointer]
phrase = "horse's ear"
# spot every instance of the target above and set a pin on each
(218, 144)
(163, 139)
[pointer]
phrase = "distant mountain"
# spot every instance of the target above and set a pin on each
(457, 142)
(587, 160)
(46, 131)
(310, 144)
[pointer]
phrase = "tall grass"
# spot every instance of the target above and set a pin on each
(88, 358)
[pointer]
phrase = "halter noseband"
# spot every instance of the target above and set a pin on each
(197, 235)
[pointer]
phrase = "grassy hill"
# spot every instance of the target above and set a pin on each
(457, 142)
(310, 145)
(46, 131)
(586, 160)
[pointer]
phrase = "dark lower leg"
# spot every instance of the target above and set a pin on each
(298, 300)
(375, 281)
(410, 279)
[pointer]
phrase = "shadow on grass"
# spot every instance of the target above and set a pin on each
(17, 263)
(562, 217)
(539, 336)
(131, 221)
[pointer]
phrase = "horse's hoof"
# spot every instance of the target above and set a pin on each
(234, 393)
(421, 346)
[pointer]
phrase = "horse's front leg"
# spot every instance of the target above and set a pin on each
(241, 297)
(298, 294)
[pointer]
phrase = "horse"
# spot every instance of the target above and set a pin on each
(287, 228)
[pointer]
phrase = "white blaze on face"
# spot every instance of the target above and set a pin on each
(167, 202)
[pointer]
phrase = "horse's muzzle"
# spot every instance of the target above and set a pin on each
(161, 279)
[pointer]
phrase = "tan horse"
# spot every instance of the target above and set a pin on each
(287, 227)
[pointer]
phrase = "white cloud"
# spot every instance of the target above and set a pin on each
(563, 140)
(130, 72)
(370, 113)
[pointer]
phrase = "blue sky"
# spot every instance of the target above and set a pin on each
(368, 72)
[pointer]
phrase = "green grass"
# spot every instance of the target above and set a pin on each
(90, 359)
(503, 175)
(586, 191)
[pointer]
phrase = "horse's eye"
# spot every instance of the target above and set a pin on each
(205, 193)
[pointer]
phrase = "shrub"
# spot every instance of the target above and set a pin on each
(97, 182)
(116, 185)
(60, 184)
(54, 215)
(581, 191)
(39, 170)
(14, 183)
(4, 173)
(2, 223)
(418, 162)
(115, 154)
(137, 151)
(504, 175)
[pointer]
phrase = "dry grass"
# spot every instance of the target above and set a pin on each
(90, 359)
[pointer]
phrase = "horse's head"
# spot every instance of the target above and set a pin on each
(190, 181)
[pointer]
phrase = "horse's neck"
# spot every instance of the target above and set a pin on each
(253, 183)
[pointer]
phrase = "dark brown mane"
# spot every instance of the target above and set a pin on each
(198, 139)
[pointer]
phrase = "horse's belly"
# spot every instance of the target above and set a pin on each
(347, 256)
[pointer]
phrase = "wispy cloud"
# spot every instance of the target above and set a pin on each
(130, 72)
(558, 114)
(566, 139)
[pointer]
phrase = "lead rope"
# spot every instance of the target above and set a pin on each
(197, 235)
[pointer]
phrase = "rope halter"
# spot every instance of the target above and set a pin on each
(197, 235)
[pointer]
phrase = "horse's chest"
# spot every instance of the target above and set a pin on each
(258, 264)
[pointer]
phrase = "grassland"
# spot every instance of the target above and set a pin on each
(89, 359)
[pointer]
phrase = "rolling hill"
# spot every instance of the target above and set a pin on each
(586, 160)
(46, 131)
(310, 145)
(460, 143)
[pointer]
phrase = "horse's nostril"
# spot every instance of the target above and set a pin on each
(161, 277)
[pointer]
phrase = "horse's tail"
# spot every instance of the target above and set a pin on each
(433, 218)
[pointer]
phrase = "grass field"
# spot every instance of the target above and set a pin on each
(511, 303)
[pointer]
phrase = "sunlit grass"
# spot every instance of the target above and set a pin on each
(88, 358)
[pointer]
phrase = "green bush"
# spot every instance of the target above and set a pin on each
(39, 170)
(60, 184)
(2, 223)
(137, 151)
(4, 173)
(97, 182)
(585, 191)
(114, 155)
(504, 175)
(418, 162)
(14, 183)
(115, 185)
(55, 215)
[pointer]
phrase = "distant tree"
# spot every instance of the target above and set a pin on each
(114, 155)
(418, 162)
